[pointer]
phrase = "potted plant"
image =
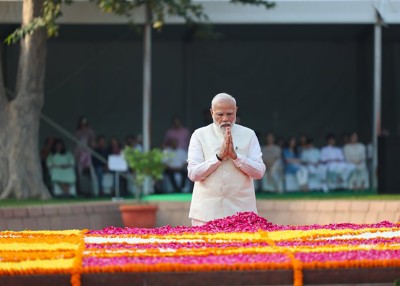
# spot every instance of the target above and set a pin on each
(143, 165)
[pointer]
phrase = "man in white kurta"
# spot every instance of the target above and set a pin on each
(223, 160)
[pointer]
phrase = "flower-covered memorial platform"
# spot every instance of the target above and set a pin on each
(239, 250)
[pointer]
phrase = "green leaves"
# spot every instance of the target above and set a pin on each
(51, 12)
(119, 7)
(26, 30)
(160, 9)
(145, 163)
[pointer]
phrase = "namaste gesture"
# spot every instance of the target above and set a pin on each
(227, 150)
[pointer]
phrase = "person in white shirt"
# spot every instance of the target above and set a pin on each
(223, 160)
(338, 171)
(176, 164)
(355, 153)
(311, 159)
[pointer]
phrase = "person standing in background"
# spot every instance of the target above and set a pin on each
(178, 132)
(100, 167)
(45, 151)
(83, 158)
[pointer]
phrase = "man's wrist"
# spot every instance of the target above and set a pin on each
(219, 159)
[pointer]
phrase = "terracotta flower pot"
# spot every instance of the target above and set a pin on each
(142, 216)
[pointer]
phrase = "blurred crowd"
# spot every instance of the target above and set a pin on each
(292, 164)
(297, 164)
(85, 170)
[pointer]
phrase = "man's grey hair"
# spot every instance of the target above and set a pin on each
(222, 97)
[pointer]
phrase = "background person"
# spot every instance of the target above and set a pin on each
(87, 181)
(178, 132)
(272, 157)
(86, 138)
(311, 159)
(291, 158)
(338, 171)
(45, 151)
(99, 166)
(176, 165)
(355, 153)
(61, 165)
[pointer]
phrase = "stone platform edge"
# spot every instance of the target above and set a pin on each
(97, 215)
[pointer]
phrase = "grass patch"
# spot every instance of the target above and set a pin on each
(312, 195)
(35, 202)
(169, 197)
(334, 195)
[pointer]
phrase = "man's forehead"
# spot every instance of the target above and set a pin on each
(224, 109)
(224, 106)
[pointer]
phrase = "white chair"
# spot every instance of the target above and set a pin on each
(117, 164)
(108, 183)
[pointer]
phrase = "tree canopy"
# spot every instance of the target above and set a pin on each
(160, 9)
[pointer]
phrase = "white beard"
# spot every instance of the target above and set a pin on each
(223, 126)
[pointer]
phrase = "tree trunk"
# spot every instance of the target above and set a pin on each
(3, 131)
(20, 161)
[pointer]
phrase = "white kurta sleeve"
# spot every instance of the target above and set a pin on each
(198, 167)
(252, 165)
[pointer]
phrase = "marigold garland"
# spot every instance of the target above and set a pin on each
(40, 252)
(243, 242)
(296, 264)
(77, 265)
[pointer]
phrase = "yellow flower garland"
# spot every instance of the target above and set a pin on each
(42, 252)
